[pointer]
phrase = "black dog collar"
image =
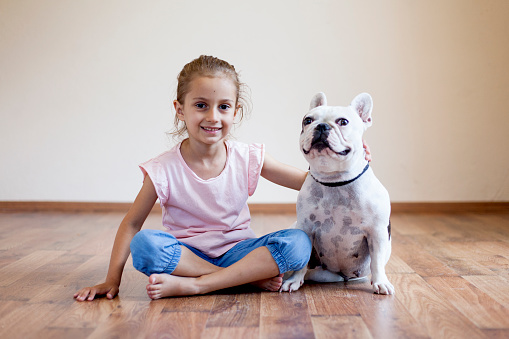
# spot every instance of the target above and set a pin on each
(340, 183)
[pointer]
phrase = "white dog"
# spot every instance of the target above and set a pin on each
(342, 206)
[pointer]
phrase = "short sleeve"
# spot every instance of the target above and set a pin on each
(256, 156)
(155, 170)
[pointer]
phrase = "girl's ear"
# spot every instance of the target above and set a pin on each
(237, 109)
(178, 110)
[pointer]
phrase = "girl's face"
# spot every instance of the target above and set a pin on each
(209, 109)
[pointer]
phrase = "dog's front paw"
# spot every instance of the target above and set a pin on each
(292, 284)
(383, 287)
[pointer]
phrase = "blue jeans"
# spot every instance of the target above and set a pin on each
(156, 251)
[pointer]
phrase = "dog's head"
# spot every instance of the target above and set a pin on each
(331, 137)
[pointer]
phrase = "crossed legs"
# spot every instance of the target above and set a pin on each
(194, 275)
(176, 270)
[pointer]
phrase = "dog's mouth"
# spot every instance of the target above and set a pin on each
(320, 145)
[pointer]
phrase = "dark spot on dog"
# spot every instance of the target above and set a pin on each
(316, 191)
(328, 224)
(317, 235)
(336, 198)
(348, 228)
(312, 217)
(336, 240)
(315, 195)
(347, 221)
(324, 266)
(321, 254)
(356, 255)
(389, 229)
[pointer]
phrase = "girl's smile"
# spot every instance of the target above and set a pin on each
(211, 130)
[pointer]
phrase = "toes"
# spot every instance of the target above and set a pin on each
(386, 289)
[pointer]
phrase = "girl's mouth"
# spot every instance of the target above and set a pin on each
(211, 129)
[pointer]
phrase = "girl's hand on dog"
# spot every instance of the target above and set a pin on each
(367, 151)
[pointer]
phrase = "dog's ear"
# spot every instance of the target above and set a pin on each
(363, 105)
(318, 100)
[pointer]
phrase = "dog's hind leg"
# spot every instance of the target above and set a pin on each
(320, 275)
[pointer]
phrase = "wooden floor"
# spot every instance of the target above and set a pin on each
(450, 271)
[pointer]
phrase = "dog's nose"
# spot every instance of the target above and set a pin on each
(323, 128)
(321, 133)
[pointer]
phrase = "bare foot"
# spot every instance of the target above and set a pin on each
(165, 285)
(270, 284)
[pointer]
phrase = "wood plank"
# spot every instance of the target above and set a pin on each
(176, 325)
(126, 320)
(496, 334)
(65, 333)
(449, 254)
(285, 315)
(134, 284)
(330, 299)
(231, 332)
(28, 320)
(421, 261)
(9, 306)
(397, 264)
(198, 303)
(89, 273)
(484, 311)
(21, 268)
(332, 327)
(495, 286)
(43, 284)
(86, 314)
(437, 316)
(238, 310)
(386, 317)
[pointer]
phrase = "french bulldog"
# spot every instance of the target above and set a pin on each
(342, 206)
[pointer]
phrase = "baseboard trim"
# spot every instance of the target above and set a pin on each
(96, 207)
(397, 207)
(450, 207)
(60, 206)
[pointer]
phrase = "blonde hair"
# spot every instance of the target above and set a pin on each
(209, 66)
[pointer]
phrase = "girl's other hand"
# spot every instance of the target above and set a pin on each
(367, 151)
(89, 293)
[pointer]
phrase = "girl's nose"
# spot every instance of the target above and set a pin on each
(212, 115)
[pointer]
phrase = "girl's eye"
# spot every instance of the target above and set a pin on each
(224, 107)
(307, 121)
(200, 105)
(342, 122)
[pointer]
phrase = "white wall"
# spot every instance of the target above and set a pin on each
(86, 88)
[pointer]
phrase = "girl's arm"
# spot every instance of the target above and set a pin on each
(131, 225)
(281, 174)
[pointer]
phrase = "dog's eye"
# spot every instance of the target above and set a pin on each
(342, 122)
(307, 121)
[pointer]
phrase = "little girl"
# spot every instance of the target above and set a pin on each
(203, 185)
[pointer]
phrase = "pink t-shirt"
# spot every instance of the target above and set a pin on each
(210, 215)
